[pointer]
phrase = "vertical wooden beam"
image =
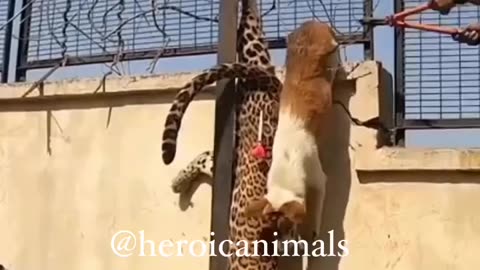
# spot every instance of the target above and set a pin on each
(224, 134)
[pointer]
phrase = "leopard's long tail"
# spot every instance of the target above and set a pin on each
(186, 95)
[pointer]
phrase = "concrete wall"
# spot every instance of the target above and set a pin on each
(68, 184)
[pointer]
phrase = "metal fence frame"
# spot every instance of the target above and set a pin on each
(22, 64)
(8, 41)
(401, 122)
(399, 101)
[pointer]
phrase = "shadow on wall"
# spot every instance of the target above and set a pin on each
(336, 161)
(185, 197)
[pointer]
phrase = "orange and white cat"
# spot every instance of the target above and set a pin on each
(305, 101)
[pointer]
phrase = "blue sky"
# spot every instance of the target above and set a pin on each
(383, 52)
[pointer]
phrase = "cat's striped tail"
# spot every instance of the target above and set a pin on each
(188, 92)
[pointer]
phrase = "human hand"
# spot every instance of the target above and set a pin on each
(469, 35)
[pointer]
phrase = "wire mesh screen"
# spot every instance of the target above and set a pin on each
(441, 76)
(344, 15)
(3, 21)
(87, 28)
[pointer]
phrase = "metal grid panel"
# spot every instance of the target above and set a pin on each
(441, 76)
(93, 27)
(87, 28)
(344, 15)
(3, 21)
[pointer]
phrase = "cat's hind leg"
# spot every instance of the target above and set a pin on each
(315, 199)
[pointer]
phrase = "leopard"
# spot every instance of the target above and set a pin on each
(257, 99)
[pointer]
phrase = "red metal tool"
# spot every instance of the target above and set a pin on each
(398, 20)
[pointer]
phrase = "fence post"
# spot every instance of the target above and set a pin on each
(224, 142)
(399, 135)
(22, 52)
(368, 31)
(8, 41)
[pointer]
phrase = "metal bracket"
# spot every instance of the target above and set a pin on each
(373, 21)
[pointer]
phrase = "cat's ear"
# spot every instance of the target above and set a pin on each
(331, 46)
(256, 207)
(324, 41)
(294, 211)
(326, 46)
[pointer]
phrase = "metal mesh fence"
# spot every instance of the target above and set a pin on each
(89, 29)
(441, 76)
(86, 28)
(344, 15)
